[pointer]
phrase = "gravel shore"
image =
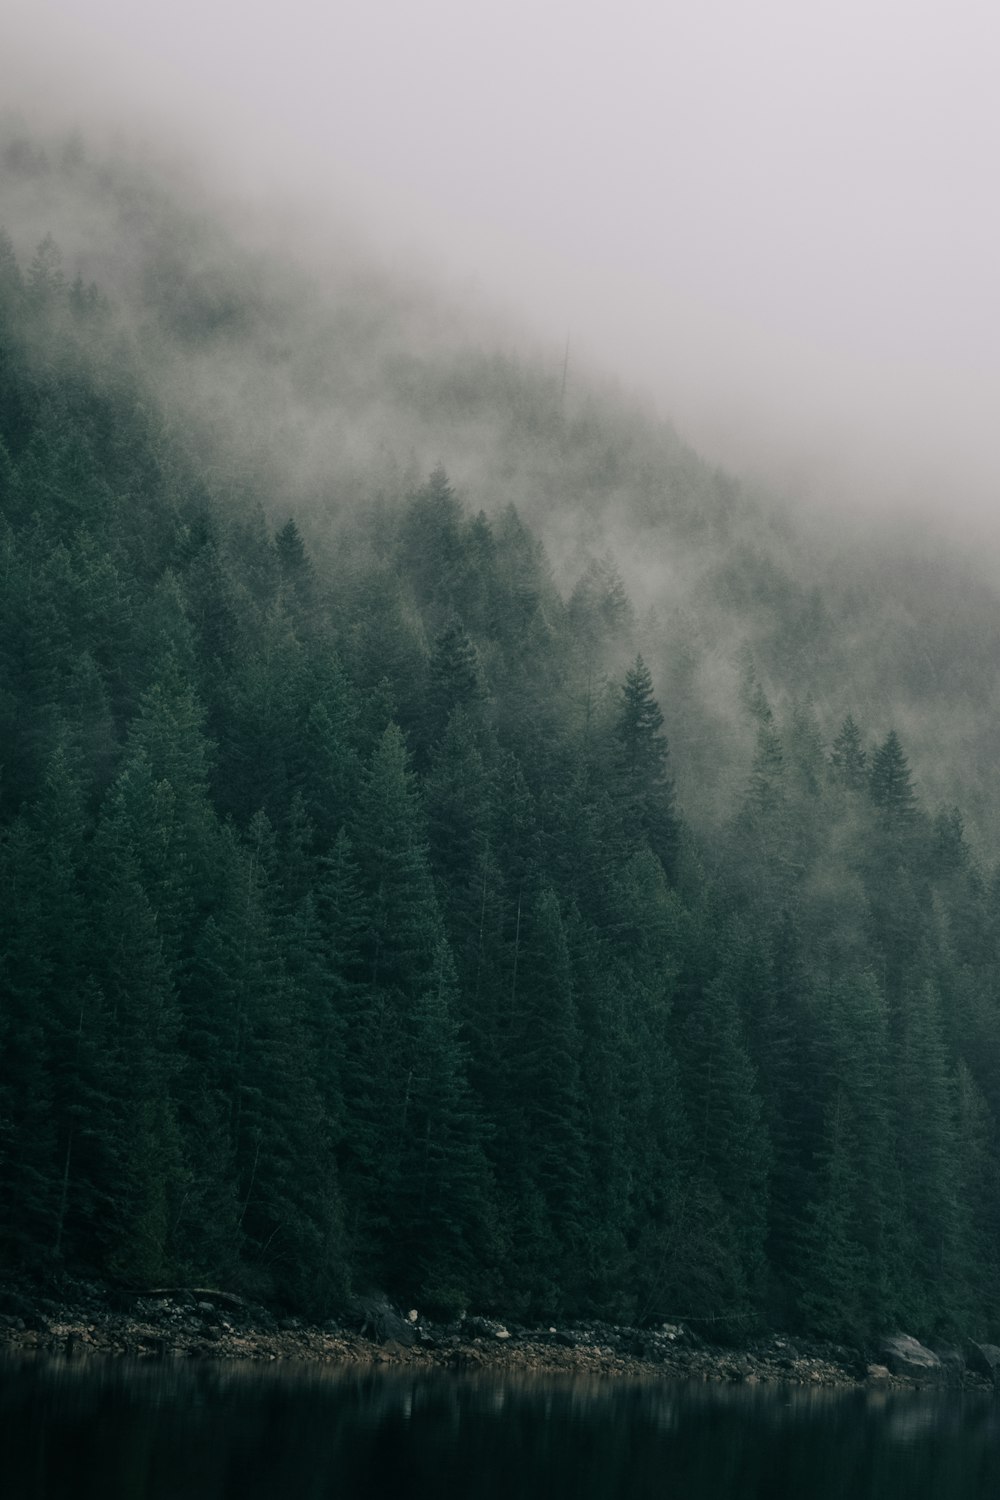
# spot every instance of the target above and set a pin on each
(209, 1324)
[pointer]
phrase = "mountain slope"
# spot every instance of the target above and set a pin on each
(372, 911)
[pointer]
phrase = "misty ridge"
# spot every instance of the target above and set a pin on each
(313, 380)
(455, 841)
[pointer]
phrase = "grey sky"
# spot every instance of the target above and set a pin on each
(781, 219)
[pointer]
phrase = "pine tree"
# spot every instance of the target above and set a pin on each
(440, 1198)
(431, 543)
(766, 853)
(325, 766)
(11, 280)
(835, 1270)
(455, 792)
(542, 1145)
(646, 791)
(291, 551)
(849, 1234)
(977, 1303)
(890, 786)
(399, 957)
(848, 758)
(44, 990)
(298, 578)
(46, 282)
(894, 874)
(129, 965)
(732, 1152)
(638, 1144)
(390, 834)
(599, 611)
(925, 1125)
(454, 680)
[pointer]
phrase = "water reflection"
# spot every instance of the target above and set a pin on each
(166, 1430)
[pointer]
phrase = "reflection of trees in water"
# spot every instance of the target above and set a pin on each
(117, 1428)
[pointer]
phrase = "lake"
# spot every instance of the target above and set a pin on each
(145, 1430)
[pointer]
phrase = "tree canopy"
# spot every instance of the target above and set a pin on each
(353, 931)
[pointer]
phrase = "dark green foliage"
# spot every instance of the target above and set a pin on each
(643, 786)
(431, 542)
(729, 1135)
(351, 932)
(599, 612)
(453, 680)
(834, 1271)
(844, 1260)
(441, 1190)
(848, 759)
(890, 785)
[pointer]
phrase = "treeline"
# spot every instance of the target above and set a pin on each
(351, 936)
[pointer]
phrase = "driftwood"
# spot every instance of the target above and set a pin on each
(199, 1293)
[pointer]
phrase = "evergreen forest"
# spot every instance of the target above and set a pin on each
(381, 905)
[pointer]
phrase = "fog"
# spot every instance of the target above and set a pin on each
(511, 258)
(776, 222)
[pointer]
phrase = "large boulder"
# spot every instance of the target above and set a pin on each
(954, 1363)
(905, 1356)
(383, 1324)
(985, 1360)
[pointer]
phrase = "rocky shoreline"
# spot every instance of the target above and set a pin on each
(204, 1323)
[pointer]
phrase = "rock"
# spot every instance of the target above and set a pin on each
(985, 1360)
(679, 1333)
(381, 1322)
(878, 1374)
(953, 1361)
(905, 1356)
(484, 1328)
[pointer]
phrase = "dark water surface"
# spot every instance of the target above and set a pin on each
(137, 1430)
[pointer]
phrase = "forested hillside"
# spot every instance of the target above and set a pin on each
(353, 931)
(299, 372)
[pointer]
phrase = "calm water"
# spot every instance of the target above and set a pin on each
(123, 1430)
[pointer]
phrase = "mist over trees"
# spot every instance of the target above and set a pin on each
(399, 891)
